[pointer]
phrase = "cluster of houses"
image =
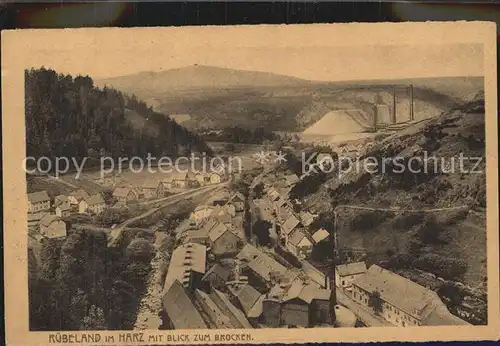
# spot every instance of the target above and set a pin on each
(216, 279)
(292, 227)
(45, 215)
(152, 189)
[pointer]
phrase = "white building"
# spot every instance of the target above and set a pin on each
(346, 273)
(404, 303)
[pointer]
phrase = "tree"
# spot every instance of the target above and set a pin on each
(375, 302)
(261, 230)
(140, 250)
(258, 190)
(94, 320)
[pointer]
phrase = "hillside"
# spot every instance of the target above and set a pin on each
(197, 77)
(70, 117)
(414, 239)
(213, 98)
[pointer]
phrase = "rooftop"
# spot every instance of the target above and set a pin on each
(290, 224)
(40, 196)
(320, 235)
(180, 309)
(404, 294)
(185, 258)
(351, 268)
(95, 199)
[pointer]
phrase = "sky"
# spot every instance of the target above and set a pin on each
(322, 55)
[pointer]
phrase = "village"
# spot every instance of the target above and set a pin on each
(221, 275)
(243, 260)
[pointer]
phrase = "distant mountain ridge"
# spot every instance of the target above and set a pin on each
(215, 98)
(198, 76)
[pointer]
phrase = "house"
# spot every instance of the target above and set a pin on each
(63, 210)
(273, 195)
(187, 265)
(194, 236)
(181, 180)
(236, 316)
(222, 240)
(34, 219)
(288, 227)
(216, 276)
(264, 210)
(404, 303)
(213, 314)
(61, 199)
(52, 227)
(201, 212)
(346, 273)
(221, 197)
(300, 243)
(180, 311)
(248, 299)
(291, 180)
(306, 218)
(76, 196)
(320, 235)
(152, 189)
(38, 201)
(214, 178)
(94, 204)
(238, 200)
(262, 267)
(299, 304)
(125, 195)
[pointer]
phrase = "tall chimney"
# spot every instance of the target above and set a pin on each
(394, 105)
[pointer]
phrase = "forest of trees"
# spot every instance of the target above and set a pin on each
(82, 284)
(70, 117)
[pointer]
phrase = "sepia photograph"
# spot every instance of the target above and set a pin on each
(178, 180)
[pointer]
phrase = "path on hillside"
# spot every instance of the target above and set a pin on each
(116, 233)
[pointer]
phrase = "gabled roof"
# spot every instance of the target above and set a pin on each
(218, 231)
(36, 217)
(63, 207)
(48, 219)
(37, 197)
(320, 235)
(404, 294)
(180, 309)
(95, 199)
(306, 292)
(273, 194)
(185, 258)
(237, 196)
(236, 316)
(79, 194)
(122, 191)
(248, 252)
(60, 199)
(441, 316)
(297, 236)
(263, 265)
(306, 218)
(290, 224)
(220, 271)
(250, 300)
(351, 268)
